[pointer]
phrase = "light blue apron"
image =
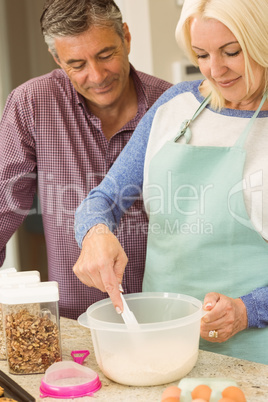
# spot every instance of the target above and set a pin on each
(200, 236)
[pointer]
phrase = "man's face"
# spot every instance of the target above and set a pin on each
(97, 64)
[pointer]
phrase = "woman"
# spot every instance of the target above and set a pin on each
(204, 175)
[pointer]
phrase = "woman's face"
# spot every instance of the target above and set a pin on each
(221, 61)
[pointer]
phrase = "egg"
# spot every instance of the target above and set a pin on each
(234, 393)
(199, 400)
(171, 392)
(201, 391)
(171, 399)
(226, 400)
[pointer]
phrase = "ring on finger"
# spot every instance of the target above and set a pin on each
(213, 334)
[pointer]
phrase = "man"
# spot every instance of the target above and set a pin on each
(61, 132)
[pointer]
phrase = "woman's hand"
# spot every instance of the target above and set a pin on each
(102, 262)
(225, 315)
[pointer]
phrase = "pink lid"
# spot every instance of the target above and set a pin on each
(69, 380)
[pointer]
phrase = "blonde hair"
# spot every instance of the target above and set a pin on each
(246, 19)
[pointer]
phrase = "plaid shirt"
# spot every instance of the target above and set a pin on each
(51, 143)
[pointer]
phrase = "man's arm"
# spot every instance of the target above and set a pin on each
(17, 168)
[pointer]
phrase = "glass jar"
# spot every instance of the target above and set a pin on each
(31, 326)
(10, 278)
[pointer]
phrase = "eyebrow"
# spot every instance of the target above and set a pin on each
(221, 47)
(104, 50)
(71, 61)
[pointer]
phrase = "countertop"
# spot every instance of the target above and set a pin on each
(251, 377)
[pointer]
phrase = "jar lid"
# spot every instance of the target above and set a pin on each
(12, 278)
(30, 293)
(4, 271)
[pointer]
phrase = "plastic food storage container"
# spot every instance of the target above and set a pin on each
(31, 327)
(65, 380)
(9, 277)
(7, 270)
(163, 349)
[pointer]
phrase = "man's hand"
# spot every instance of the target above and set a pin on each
(102, 263)
(225, 315)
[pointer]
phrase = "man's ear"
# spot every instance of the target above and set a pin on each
(127, 36)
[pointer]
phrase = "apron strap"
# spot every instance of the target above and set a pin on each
(242, 139)
(186, 132)
(184, 128)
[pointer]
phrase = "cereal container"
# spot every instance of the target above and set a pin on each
(7, 270)
(31, 327)
(10, 278)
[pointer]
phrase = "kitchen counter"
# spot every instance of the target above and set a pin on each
(251, 377)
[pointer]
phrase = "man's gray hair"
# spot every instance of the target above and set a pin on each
(62, 18)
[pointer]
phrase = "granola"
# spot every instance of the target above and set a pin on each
(2, 339)
(32, 342)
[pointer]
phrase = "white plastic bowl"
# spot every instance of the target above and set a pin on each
(162, 350)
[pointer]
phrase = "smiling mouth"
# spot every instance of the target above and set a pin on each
(229, 83)
(101, 89)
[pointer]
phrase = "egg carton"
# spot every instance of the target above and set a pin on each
(217, 385)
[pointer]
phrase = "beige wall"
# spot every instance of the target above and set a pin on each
(152, 25)
(27, 54)
(164, 16)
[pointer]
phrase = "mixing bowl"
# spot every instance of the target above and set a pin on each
(163, 349)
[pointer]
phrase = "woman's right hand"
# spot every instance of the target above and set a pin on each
(102, 263)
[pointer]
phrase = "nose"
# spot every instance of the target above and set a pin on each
(217, 67)
(96, 73)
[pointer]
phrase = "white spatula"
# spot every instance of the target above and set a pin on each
(128, 316)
